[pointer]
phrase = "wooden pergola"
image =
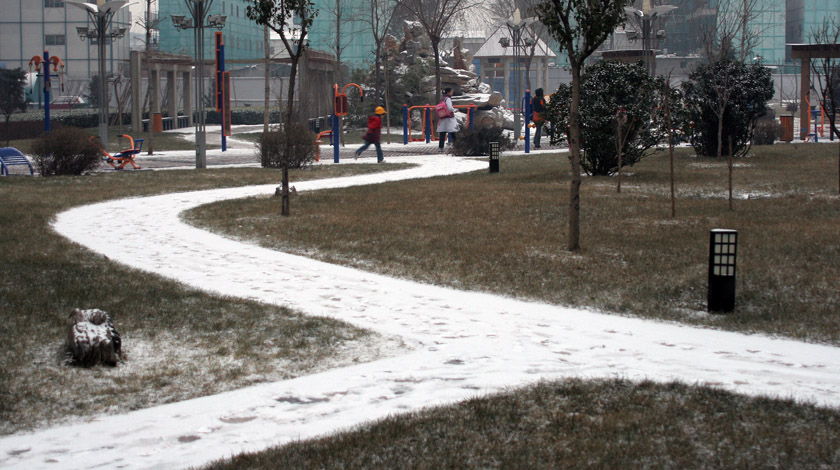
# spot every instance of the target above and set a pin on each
(806, 52)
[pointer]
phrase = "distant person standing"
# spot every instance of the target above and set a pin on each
(447, 125)
(372, 136)
(538, 109)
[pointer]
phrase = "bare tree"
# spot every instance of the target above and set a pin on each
(379, 19)
(580, 26)
(276, 14)
(436, 18)
(827, 70)
(503, 9)
(730, 38)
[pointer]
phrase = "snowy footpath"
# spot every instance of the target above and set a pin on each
(463, 344)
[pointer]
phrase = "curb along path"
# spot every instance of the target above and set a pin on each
(464, 343)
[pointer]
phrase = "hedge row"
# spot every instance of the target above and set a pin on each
(34, 128)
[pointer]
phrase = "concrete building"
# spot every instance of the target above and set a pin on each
(497, 66)
(28, 27)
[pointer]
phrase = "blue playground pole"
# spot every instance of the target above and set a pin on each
(427, 127)
(527, 121)
(47, 87)
(470, 114)
(405, 124)
(336, 138)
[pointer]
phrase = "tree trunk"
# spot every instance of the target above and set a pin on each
(92, 338)
(731, 207)
(720, 133)
(574, 149)
(670, 142)
(435, 49)
(284, 209)
(387, 104)
(290, 95)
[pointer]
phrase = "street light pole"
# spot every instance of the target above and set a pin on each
(101, 16)
(198, 10)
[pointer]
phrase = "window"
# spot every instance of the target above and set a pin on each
(223, 8)
(53, 4)
(55, 40)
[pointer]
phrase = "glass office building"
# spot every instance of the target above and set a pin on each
(244, 39)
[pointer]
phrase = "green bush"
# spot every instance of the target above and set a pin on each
(65, 151)
(474, 142)
(610, 89)
(767, 130)
(293, 147)
(747, 87)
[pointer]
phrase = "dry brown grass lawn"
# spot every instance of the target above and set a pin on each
(506, 233)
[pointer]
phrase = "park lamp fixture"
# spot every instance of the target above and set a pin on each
(722, 258)
(198, 20)
(101, 15)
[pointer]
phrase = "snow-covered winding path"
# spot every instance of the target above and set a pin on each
(464, 343)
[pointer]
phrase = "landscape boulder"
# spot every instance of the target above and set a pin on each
(92, 338)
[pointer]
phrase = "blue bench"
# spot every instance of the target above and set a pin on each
(10, 156)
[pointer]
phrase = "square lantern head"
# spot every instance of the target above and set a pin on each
(723, 252)
(494, 150)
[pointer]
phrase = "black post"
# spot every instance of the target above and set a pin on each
(722, 254)
(494, 157)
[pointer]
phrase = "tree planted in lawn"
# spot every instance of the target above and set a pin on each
(289, 147)
(12, 82)
(610, 89)
(580, 26)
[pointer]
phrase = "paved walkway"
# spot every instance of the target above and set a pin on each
(463, 343)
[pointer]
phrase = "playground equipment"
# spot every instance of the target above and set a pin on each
(340, 109)
(125, 157)
(429, 119)
(10, 156)
(318, 144)
(46, 60)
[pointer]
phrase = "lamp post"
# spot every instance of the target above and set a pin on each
(645, 18)
(198, 11)
(516, 26)
(101, 15)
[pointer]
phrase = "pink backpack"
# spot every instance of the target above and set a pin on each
(441, 111)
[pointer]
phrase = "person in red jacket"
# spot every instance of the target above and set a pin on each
(374, 130)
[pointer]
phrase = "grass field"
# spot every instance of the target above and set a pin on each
(503, 233)
(179, 343)
(506, 233)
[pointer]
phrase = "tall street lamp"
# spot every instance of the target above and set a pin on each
(198, 11)
(516, 26)
(101, 15)
(645, 19)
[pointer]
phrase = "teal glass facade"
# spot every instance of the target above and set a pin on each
(243, 38)
(357, 44)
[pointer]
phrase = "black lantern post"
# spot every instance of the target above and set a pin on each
(722, 257)
(494, 157)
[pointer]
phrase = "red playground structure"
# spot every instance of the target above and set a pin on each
(125, 157)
